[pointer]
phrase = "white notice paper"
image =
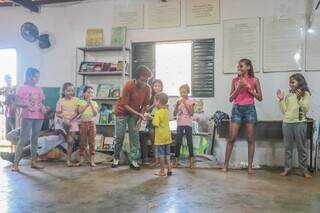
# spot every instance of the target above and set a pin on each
(241, 39)
(128, 15)
(283, 44)
(160, 14)
(200, 12)
(313, 45)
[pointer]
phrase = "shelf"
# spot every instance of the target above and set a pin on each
(103, 49)
(105, 99)
(103, 73)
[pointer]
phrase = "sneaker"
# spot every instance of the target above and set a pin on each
(115, 163)
(134, 165)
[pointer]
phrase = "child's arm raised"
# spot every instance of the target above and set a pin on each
(176, 108)
(304, 101)
(93, 108)
(257, 93)
(189, 107)
(282, 102)
(235, 91)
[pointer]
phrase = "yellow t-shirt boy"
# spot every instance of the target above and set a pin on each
(161, 123)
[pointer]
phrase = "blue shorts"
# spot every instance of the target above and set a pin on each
(244, 114)
(163, 150)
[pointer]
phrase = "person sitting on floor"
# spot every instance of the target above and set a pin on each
(47, 142)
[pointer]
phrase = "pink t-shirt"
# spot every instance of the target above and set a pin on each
(33, 98)
(183, 117)
(244, 97)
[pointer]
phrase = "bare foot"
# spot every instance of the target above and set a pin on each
(191, 165)
(175, 164)
(160, 173)
(80, 163)
(307, 175)
(92, 164)
(69, 164)
(35, 165)
(250, 171)
(224, 169)
(15, 168)
(284, 174)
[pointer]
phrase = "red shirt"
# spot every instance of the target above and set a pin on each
(137, 98)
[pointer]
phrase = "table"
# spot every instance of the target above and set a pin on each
(270, 129)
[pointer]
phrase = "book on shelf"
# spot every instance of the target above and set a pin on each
(103, 91)
(118, 36)
(106, 115)
(114, 92)
(100, 67)
(80, 91)
(94, 38)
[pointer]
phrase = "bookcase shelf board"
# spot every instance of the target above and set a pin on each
(103, 73)
(105, 48)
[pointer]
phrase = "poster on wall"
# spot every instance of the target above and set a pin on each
(241, 39)
(160, 14)
(283, 44)
(202, 12)
(313, 46)
(128, 15)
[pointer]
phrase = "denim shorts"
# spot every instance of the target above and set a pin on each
(244, 114)
(163, 150)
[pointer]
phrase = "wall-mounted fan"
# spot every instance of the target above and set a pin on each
(30, 32)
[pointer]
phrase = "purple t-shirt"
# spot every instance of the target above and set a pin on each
(33, 98)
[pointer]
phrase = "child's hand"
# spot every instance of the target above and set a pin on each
(241, 84)
(142, 117)
(280, 94)
(45, 109)
(178, 102)
(298, 93)
(253, 92)
(148, 117)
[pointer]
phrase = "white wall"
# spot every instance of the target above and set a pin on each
(69, 24)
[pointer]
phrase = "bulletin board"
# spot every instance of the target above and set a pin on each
(283, 44)
(160, 14)
(313, 45)
(241, 39)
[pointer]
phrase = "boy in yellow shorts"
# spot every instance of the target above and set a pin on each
(162, 134)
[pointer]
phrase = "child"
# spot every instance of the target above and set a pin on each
(30, 98)
(294, 107)
(66, 110)
(10, 109)
(87, 109)
(244, 89)
(184, 111)
(162, 133)
(157, 87)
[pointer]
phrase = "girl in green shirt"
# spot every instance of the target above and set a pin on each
(294, 107)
